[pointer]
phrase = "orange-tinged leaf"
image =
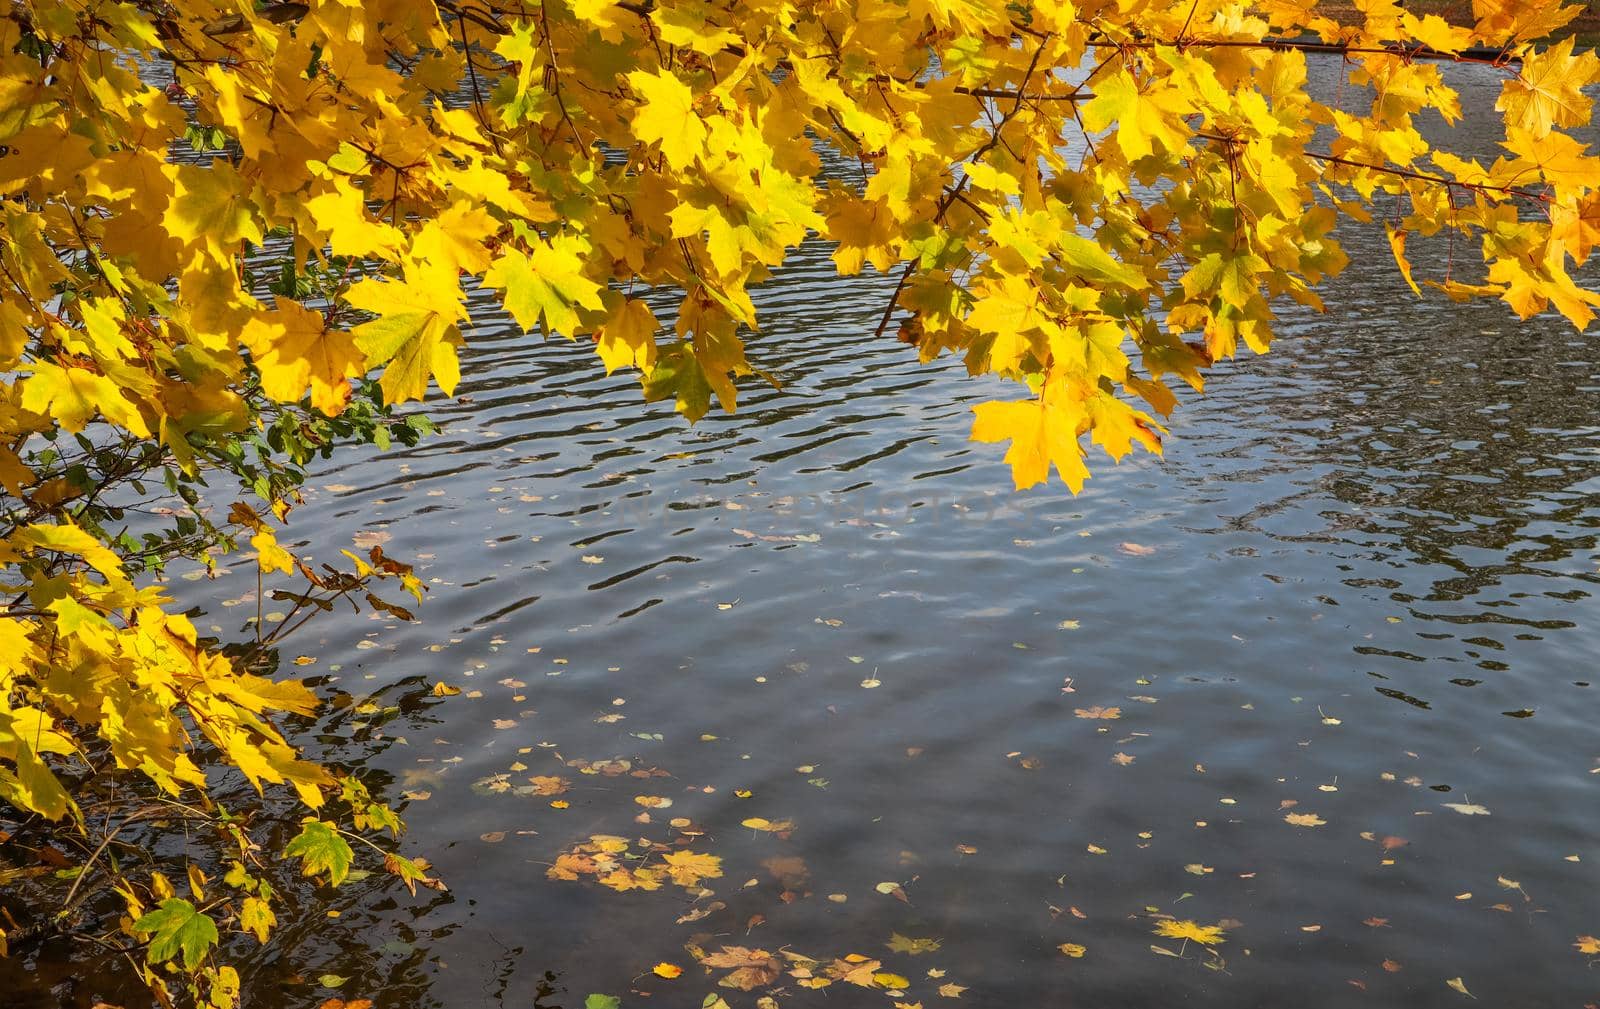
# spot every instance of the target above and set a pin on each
(1098, 712)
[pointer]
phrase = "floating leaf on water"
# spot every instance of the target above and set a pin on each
(1098, 712)
(1460, 986)
(701, 912)
(1467, 808)
(1073, 950)
(1304, 819)
(913, 947)
(666, 970)
(688, 868)
(1587, 945)
(1206, 935)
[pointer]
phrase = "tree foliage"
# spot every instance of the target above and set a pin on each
(234, 234)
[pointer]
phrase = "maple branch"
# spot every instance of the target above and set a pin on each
(1073, 96)
(472, 74)
(1476, 54)
(1183, 33)
(1406, 173)
(955, 191)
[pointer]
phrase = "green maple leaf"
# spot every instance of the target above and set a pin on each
(549, 282)
(321, 849)
(176, 926)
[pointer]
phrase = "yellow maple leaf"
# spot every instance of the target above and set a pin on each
(913, 947)
(667, 116)
(1587, 944)
(628, 336)
(1144, 120)
(454, 239)
(666, 970)
(211, 209)
(295, 350)
(1397, 245)
(688, 868)
(414, 334)
(341, 214)
(72, 396)
(1548, 91)
(1206, 935)
(1043, 432)
(547, 282)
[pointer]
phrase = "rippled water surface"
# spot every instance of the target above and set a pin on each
(1358, 586)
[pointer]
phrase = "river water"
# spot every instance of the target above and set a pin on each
(1358, 586)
